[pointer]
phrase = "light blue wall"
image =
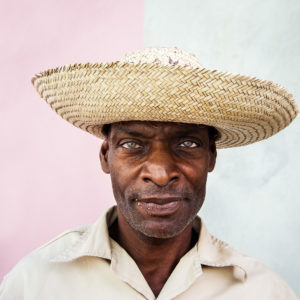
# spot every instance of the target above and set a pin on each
(253, 200)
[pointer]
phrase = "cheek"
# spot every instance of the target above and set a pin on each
(195, 173)
(123, 177)
(116, 176)
(118, 181)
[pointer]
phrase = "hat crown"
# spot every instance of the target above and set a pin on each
(164, 56)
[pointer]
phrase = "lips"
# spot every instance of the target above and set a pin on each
(159, 207)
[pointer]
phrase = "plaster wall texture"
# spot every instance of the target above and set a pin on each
(252, 197)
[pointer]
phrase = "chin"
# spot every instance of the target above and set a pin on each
(160, 230)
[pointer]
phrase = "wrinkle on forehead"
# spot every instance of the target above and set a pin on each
(214, 135)
(156, 125)
(151, 129)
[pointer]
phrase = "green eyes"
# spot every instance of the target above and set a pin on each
(130, 145)
(134, 145)
(189, 144)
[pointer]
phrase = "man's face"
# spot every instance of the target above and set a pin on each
(158, 172)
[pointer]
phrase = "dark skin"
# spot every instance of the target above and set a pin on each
(158, 172)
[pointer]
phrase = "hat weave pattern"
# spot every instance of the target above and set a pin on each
(167, 85)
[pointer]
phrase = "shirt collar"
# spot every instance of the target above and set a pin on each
(215, 253)
(209, 251)
(94, 241)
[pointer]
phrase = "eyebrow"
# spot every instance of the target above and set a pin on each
(122, 129)
(188, 131)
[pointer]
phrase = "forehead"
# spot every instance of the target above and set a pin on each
(157, 128)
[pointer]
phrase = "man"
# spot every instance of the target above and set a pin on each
(162, 116)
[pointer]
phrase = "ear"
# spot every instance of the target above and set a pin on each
(212, 156)
(103, 155)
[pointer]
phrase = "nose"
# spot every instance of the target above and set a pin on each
(160, 168)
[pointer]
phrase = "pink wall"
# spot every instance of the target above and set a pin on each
(50, 177)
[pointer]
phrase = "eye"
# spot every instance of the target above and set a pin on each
(130, 145)
(189, 144)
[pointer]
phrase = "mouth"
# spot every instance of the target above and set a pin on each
(159, 207)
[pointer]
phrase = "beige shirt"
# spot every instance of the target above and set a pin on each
(86, 264)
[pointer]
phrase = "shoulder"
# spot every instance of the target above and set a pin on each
(60, 243)
(238, 273)
(261, 281)
(38, 260)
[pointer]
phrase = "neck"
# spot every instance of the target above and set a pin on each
(156, 258)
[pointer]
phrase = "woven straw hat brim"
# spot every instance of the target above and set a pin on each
(243, 109)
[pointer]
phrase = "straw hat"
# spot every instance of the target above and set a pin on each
(167, 84)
